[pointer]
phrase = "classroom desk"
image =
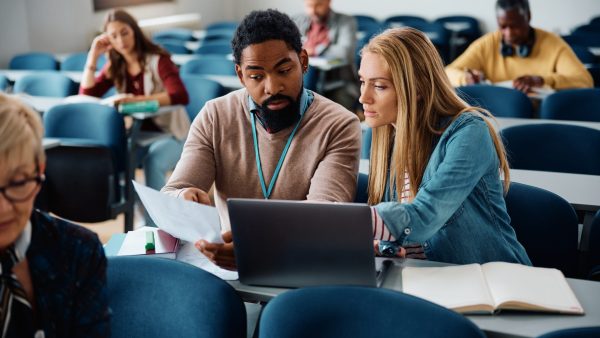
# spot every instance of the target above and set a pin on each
(14, 75)
(50, 142)
(505, 122)
(504, 324)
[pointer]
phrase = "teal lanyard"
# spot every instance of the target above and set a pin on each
(304, 103)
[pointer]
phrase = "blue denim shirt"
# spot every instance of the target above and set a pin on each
(459, 214)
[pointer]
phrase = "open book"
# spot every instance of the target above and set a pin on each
(490, 287)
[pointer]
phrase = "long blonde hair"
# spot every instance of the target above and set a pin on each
(424, 96)
(21, 133)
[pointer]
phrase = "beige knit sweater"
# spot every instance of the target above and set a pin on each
(321, 163)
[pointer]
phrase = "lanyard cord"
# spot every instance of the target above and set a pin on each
(263, 186)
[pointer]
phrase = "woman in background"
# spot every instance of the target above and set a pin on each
(53, 273)
(434, 176)
(139, 67)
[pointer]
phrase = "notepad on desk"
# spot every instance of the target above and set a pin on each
(492, 287)
(135, 243)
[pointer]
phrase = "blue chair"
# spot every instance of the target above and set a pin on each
(585, 29)
(214, 47)
(348, 311)
(224, 35)
(553, 147)
(465, 29)
(222, 25)
(403, 20)
(500, 101)
(51, 84)
(365, 150)
(560, 105)
(180, 34)
(584, 55)
(579, 332)
(362, 189)
(200, 90)
(592, 256)
(3, 83)
(157, 297)
(585, 39)
(364, 22)
(172, 46)
(93, 144)
(34, 61)
(209, 65)
(534, 211)
(438, 34)
(76, 62)
(594, 71)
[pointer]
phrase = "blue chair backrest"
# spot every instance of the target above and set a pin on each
(586, 39)
(89, 123)
(34, 61)
(157, 297)
(595, 72)
(76, 62)
(360, 312)
(584, 55)
(363, 22)
(593, 29)
(500, 101)
(180, 34)
(553, 147)
(3, 83)
(403, 20)
(546, 225)
(172, 46)
(365, 149)
(52, 84)
(222, 25)
(200, 90)
(311, 78)
(578, 332)
(362, 189)
(572, 104)
(224, 35)
(218, 47)
(595, 20)
(209, 65)
(593, 254)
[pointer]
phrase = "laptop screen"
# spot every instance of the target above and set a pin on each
(298, 243)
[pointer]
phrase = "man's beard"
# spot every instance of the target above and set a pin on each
(277, 120)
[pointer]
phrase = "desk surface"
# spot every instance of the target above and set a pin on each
(504, 324)
(505, 122)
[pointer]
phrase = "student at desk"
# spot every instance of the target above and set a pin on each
(434, 176)
(271, 139)
(53, 273)
(141, 68)
(529, 57)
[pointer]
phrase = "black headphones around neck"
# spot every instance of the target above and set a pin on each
(520, 50)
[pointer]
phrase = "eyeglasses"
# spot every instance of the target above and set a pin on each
(22, 190)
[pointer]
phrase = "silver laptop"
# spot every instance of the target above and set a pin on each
(297, 243)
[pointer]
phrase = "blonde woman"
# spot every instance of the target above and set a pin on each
(434, 177)
(53, 273)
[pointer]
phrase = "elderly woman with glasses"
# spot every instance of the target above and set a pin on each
(53, 273)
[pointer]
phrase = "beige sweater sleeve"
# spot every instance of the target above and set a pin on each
(473, 59)
(196, 167)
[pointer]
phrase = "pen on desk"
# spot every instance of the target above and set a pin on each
(150, 247)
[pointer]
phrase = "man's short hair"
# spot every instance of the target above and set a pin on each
(261, 26)
(506, 5)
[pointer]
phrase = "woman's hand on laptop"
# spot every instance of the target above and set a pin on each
(401, 251)
(195, 195)
(220, 254)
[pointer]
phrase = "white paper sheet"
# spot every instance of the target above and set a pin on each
(189, 254)
(183, 219)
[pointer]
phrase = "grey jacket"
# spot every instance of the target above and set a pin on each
(342, 35)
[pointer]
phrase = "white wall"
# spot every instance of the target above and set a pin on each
(559, 16)
(63, 26)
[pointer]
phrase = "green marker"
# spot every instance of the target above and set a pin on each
(149, 240)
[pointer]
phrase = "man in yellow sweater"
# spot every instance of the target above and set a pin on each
(527, 56)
